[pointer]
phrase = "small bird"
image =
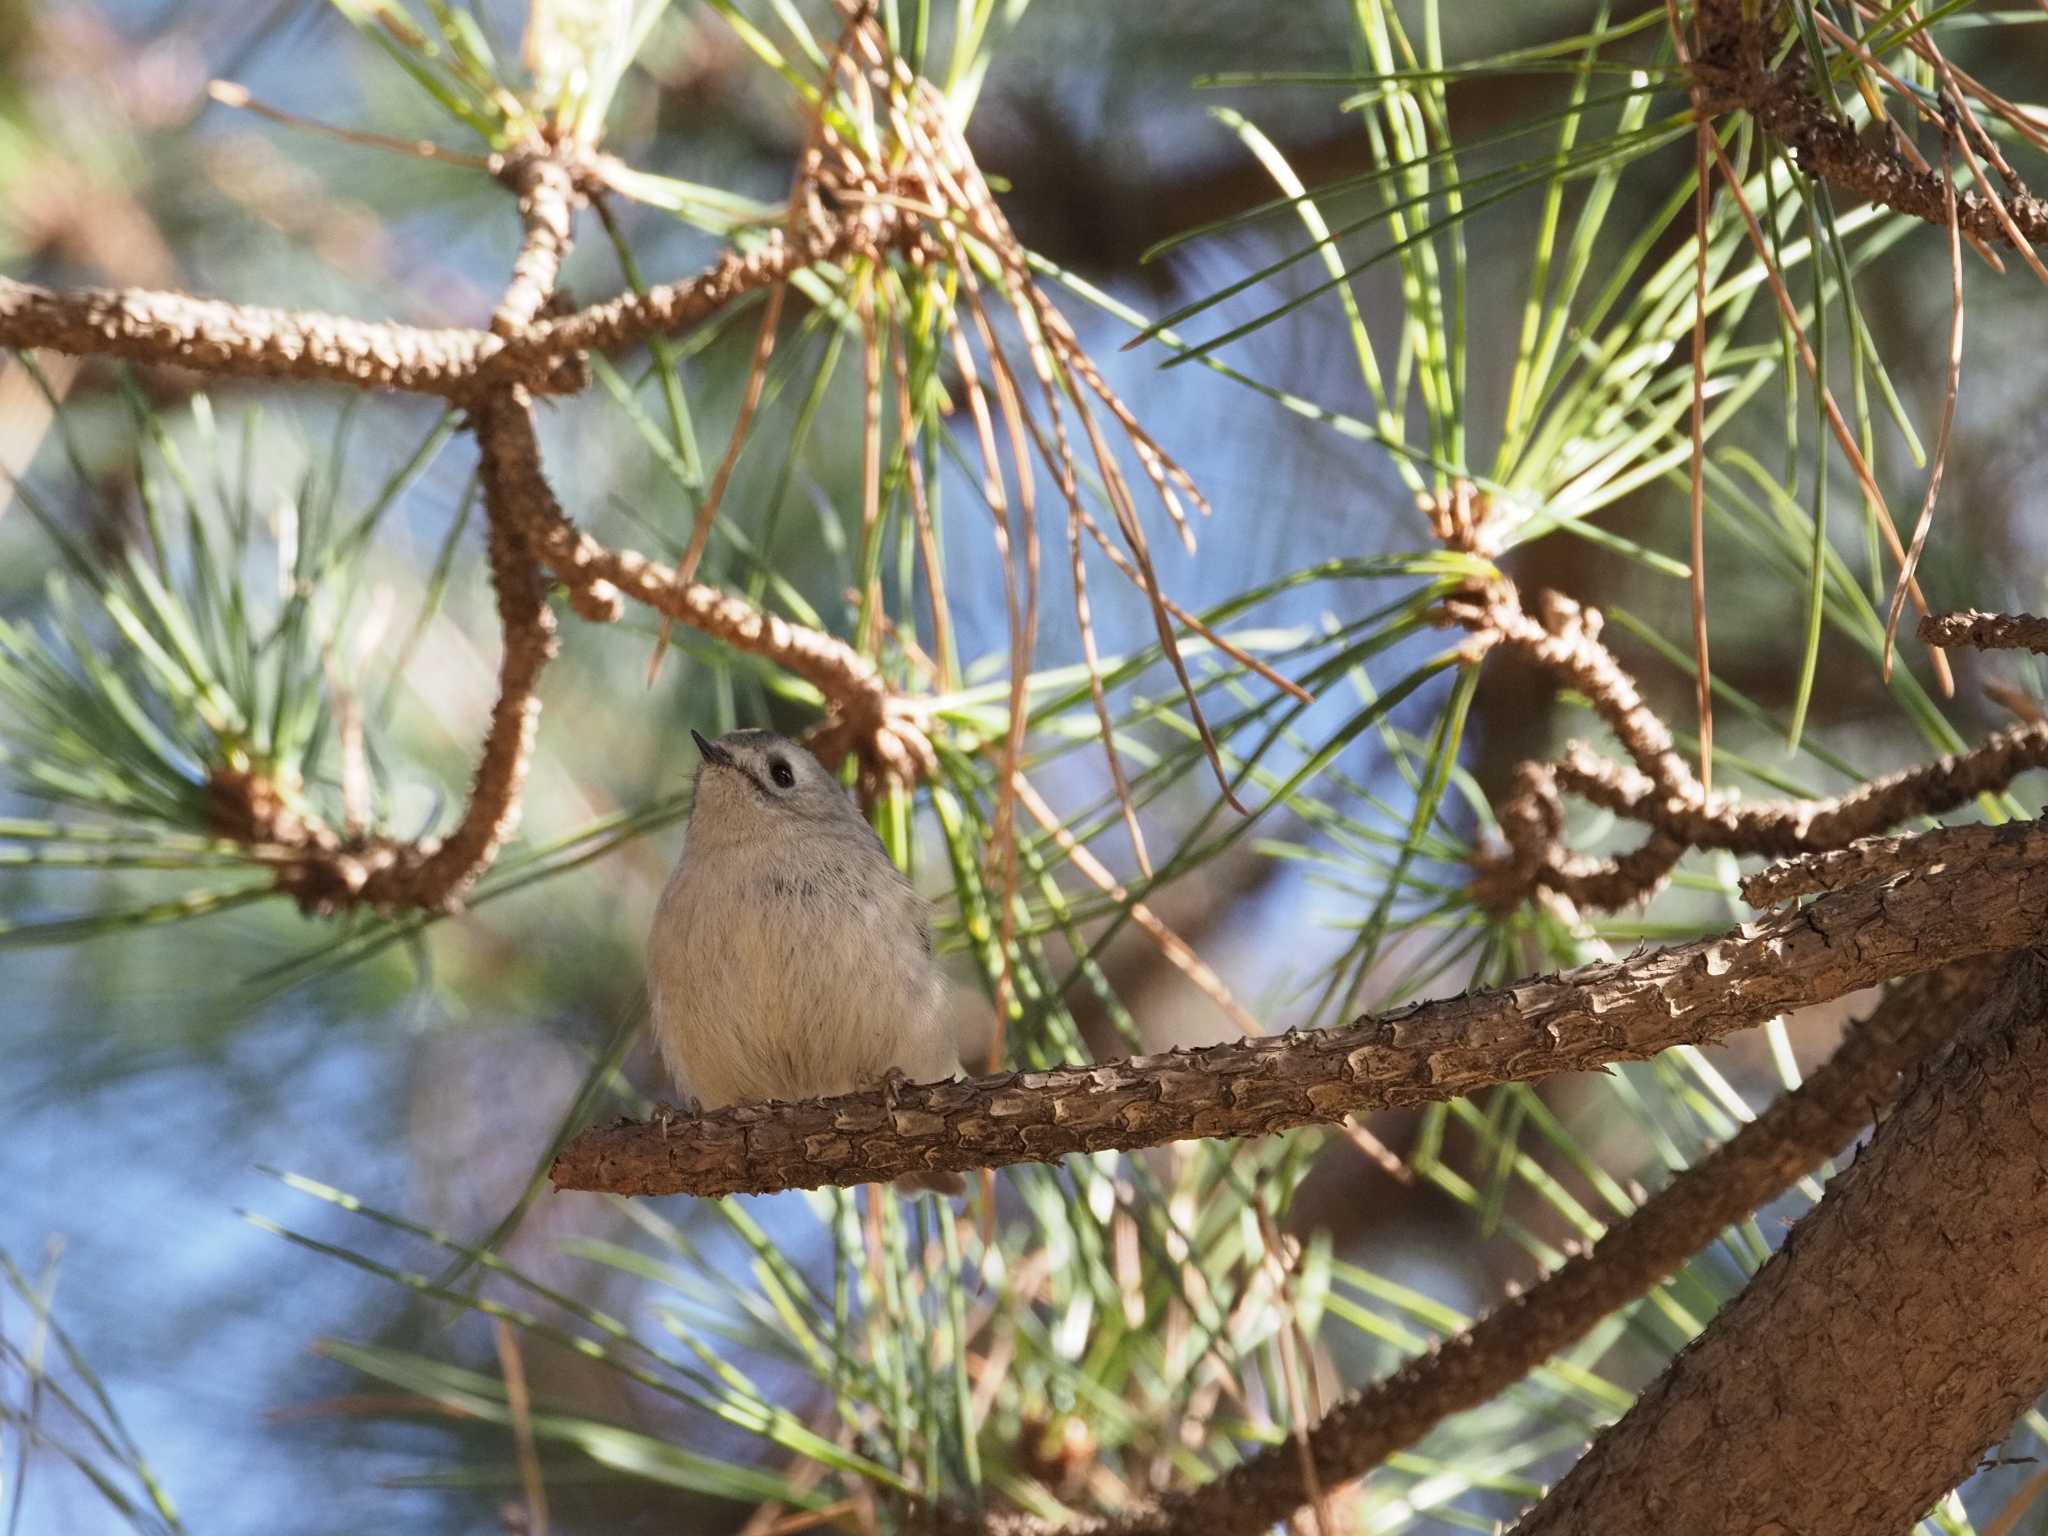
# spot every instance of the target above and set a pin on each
(790, 958)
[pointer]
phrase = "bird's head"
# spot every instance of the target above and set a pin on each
(754, 785)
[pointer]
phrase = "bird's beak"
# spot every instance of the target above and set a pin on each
(711, 751)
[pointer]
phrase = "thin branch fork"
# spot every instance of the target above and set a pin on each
(324, 872)
(526, 523)
(497, 373)
(526, 354)
(1694, 993)
(885, 729)
(1660, 790)
(1779, 828)
(547, 202)
(1987, 631)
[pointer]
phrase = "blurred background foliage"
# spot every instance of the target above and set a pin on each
(193, 576)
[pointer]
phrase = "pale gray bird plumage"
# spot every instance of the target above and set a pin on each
(790, 958)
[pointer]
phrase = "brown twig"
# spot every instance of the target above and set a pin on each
(527, 631)
(1987, 631)
(1532, 822)
(866, 233)
(1702, 206)
(1967, 122)
(1612, 1011)
(228, 340)
(1732, 64)
(1564, 638)
(1837, 423)
(1948, 408)
(1784, 827)
(1531, 819)
(250, 341)
(437, 879)
(548, 198)
(1904, 144)
(323, 871)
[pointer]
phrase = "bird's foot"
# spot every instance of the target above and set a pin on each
(666, 1115)
(894, 1081)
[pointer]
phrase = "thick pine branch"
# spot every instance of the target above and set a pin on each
(1689, 994)
(1895, 1336)
(1759, 1163)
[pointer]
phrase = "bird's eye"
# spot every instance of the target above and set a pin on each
(780, 771)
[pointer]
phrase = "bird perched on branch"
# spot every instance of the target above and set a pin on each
(790, 957)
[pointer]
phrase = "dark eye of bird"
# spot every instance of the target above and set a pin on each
(780, 771)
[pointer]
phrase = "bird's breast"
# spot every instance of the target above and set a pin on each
(795, 971)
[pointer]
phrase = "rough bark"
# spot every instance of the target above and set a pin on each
(1759, 1163)
(1898, 1333)
(1584, 1019)
(1734, 63)
(226, 340)
(1865, 860)
(229, 340)
(1987, 631)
